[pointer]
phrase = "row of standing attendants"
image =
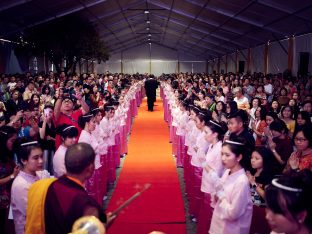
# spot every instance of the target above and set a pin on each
(109, 140)
(184, 136)
(193, 153)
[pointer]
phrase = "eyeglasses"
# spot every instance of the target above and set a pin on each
(68, 100)
(300, 139)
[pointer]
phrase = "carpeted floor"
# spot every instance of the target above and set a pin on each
(149, 160)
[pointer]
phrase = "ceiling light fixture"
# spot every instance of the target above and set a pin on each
(146, 12)
(147, 28)
(5, 40)
(148, 21)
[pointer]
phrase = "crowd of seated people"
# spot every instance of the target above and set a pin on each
(234, 134)
(230, 132)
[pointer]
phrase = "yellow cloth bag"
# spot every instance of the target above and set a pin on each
(35, 206)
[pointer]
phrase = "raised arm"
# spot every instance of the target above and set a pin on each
(58, 104)
(84, 105)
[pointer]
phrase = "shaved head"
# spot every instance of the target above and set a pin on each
(78, 157)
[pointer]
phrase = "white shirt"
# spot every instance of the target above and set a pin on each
(233, 213)
(198, 157)
(182, 123)
(213, 160)
(268, 89)
(107, 131)
(97, 133)
(88, 138)
(59, 161)
(221, 98)
(19, 197)
(242, 103)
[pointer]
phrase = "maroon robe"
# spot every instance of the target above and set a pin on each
(66, 201)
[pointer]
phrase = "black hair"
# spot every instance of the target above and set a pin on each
(240, 116)
(175, 84)
(291, 203)
(14, 91)
(268, 162)
(263, 112)
(305, 115)
(78, 157)
(259, 101)
(306, 102)
(30, 81)
(184, 104)
(92, 87)
(6, 132)
(203, 93)
(32, 104)
(221, 91)
(46, 87)
(278, 107)
(182, 97)
(307, 132)
(189, 81)
(291, 110)
(108, 107)
(177, 90)
(279, 126)
(211, 96)
(223, 106)
(195, 109)
(33, 95)
(48, 106)
(220, 128)
(84, 119)
(67, 131)
(95, 111)
(237, 149)
(233, 107)
(115, 103)
(2, 118)
(272, 114)
(280, 93)
(23, 148)
(204, 116)
(261, 87)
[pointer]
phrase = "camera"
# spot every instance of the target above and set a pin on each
(66, 95)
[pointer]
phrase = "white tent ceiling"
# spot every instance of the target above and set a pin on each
(203, 28)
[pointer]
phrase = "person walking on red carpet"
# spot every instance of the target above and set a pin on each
(150, 88)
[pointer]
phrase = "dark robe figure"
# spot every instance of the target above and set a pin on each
(66, 201)
(150, 88)
(55, 205)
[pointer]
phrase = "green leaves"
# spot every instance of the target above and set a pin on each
(70, 37)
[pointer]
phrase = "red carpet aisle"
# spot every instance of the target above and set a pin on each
(149, 160)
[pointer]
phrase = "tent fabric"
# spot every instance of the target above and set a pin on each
(278, 58)
(257, 58)
(302, 44)
(206, 29)
(231, 63)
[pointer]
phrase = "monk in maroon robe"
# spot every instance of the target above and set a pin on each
(66, 198)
